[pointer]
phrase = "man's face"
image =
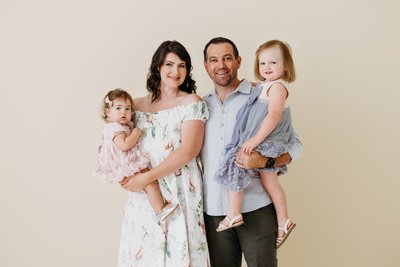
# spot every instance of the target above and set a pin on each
(221, 64)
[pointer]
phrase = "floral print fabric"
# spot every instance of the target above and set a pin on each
(142, 241)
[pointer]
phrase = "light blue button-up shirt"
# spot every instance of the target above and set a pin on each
(218, 133)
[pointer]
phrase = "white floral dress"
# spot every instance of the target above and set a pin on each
(142, 241)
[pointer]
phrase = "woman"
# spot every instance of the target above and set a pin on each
(171, 118)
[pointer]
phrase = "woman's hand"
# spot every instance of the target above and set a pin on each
(135, 183)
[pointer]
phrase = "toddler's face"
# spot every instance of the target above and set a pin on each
(271, 65)
(121, 111)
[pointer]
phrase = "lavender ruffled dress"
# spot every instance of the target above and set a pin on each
(248, 121)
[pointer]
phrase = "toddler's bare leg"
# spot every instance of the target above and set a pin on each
(234, 217)
(275, 190)
(235, 203)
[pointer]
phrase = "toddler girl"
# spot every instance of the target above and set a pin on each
(119, 156)
(264, 124)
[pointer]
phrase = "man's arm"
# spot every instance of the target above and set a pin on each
(254, 160)
(296, 147)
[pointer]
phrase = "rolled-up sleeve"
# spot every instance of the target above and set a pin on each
(296, 148)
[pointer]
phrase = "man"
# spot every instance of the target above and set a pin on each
(257, 236)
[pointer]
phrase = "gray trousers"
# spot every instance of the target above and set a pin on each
(255, 239)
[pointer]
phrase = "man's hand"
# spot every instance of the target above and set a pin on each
(253, 160)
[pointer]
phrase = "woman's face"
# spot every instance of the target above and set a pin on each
(173, 71)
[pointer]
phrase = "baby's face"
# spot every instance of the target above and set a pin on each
(121, 111)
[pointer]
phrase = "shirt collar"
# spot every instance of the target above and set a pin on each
(244, 88)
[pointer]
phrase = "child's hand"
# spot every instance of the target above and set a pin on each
(250, 144)
(135, 132)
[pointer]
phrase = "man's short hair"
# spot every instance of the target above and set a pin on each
(220, 40)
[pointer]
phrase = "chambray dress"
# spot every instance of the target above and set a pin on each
(248, 121)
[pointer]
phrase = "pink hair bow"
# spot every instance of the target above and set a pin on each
(108, 101)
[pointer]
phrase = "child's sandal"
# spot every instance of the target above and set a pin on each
(286, 231)
(234, 222)
(166, 212)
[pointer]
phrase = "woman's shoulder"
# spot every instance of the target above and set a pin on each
(190, 98)
(194, 108)
(140, 102)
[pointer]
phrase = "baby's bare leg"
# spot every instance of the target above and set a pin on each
(154, 195)
(156, 200)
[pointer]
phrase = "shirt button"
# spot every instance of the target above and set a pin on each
(222, 124)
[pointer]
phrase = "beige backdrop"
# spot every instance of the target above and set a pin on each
(58, 58)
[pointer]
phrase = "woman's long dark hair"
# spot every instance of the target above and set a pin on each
(154, 78)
